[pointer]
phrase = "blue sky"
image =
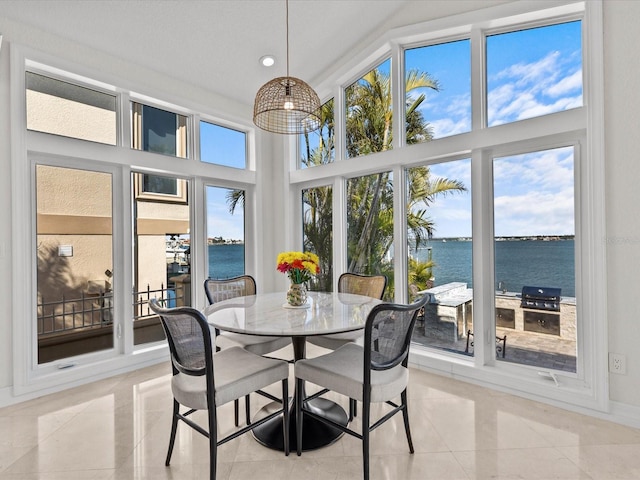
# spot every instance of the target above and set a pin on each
(529, 73)
(223, 146)
(220, 223)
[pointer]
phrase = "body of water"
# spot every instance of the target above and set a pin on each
(226, 261)
(518, 263)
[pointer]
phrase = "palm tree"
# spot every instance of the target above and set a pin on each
(318, 233)
(370, 198)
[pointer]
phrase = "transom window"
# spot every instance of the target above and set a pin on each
(222, 145)
(159, 131)
(62, 108)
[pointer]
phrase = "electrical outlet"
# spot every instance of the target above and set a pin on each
(617, 364)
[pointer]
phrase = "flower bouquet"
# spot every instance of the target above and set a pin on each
(299, 267)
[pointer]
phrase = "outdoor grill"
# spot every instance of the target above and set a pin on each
(541, 298)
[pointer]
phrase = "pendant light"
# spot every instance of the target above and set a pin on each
(287, 105)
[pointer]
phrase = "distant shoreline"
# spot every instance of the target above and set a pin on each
(525, 238)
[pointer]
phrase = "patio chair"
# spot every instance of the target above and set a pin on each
(374, 372)
(204, 380)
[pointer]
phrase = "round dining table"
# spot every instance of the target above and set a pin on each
(268, 314)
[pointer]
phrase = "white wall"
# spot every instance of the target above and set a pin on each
(5, 219)
(622, 150)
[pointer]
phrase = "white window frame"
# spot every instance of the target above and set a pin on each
(582, 127)
(29, 147)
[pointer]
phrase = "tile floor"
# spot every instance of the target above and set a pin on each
(117, 429)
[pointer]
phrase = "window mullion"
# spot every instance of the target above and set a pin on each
(398, 95)
(478, 80)
(483, 261)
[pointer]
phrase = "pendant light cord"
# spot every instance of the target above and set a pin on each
(287, 17)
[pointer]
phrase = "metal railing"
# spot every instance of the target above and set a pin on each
(88, 311)
(91, 311)
(168, 297)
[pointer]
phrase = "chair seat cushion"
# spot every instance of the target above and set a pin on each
(260, 345)
(336, 340)
(342, 371)
(237, 373)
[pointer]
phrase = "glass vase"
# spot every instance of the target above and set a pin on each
(297, 294)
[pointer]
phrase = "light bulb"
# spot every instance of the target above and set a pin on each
(288, 104)
(267, 61)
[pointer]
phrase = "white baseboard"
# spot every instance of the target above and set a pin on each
(625, 414)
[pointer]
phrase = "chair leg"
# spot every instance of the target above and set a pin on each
(405, 415)
(247, 409)
(285, 415)
(299, 400)
(213, 444)
(353, 408)
(366, 415)
(236, 412)
(174, 428)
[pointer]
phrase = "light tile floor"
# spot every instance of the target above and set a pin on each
(118, 428)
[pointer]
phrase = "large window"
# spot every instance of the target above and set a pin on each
(370, 226)
(317, 210)
(440, 251)
(484, 214)
(534, 247)
(75, 262)
(161, 256)
(225, 232)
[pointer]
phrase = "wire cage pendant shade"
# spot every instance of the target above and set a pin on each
(287, 105)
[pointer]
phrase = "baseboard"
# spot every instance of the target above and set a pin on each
(625, 414)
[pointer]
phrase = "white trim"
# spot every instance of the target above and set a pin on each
(21, 237)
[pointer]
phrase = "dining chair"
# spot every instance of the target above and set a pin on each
(367, 285)
(375, 372)
(204, 380)
(243, 285)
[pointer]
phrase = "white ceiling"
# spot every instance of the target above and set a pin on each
(214, 44)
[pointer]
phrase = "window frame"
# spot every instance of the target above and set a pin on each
(27, 147)
(581, 127)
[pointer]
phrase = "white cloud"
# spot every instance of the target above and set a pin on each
(535, 194)
(447, 126)
(535, 214)
(525, 90)
(566, 85)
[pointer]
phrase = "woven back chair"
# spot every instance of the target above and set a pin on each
(203, 380)
(242, 286)
(373, 372)
(370, 286)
